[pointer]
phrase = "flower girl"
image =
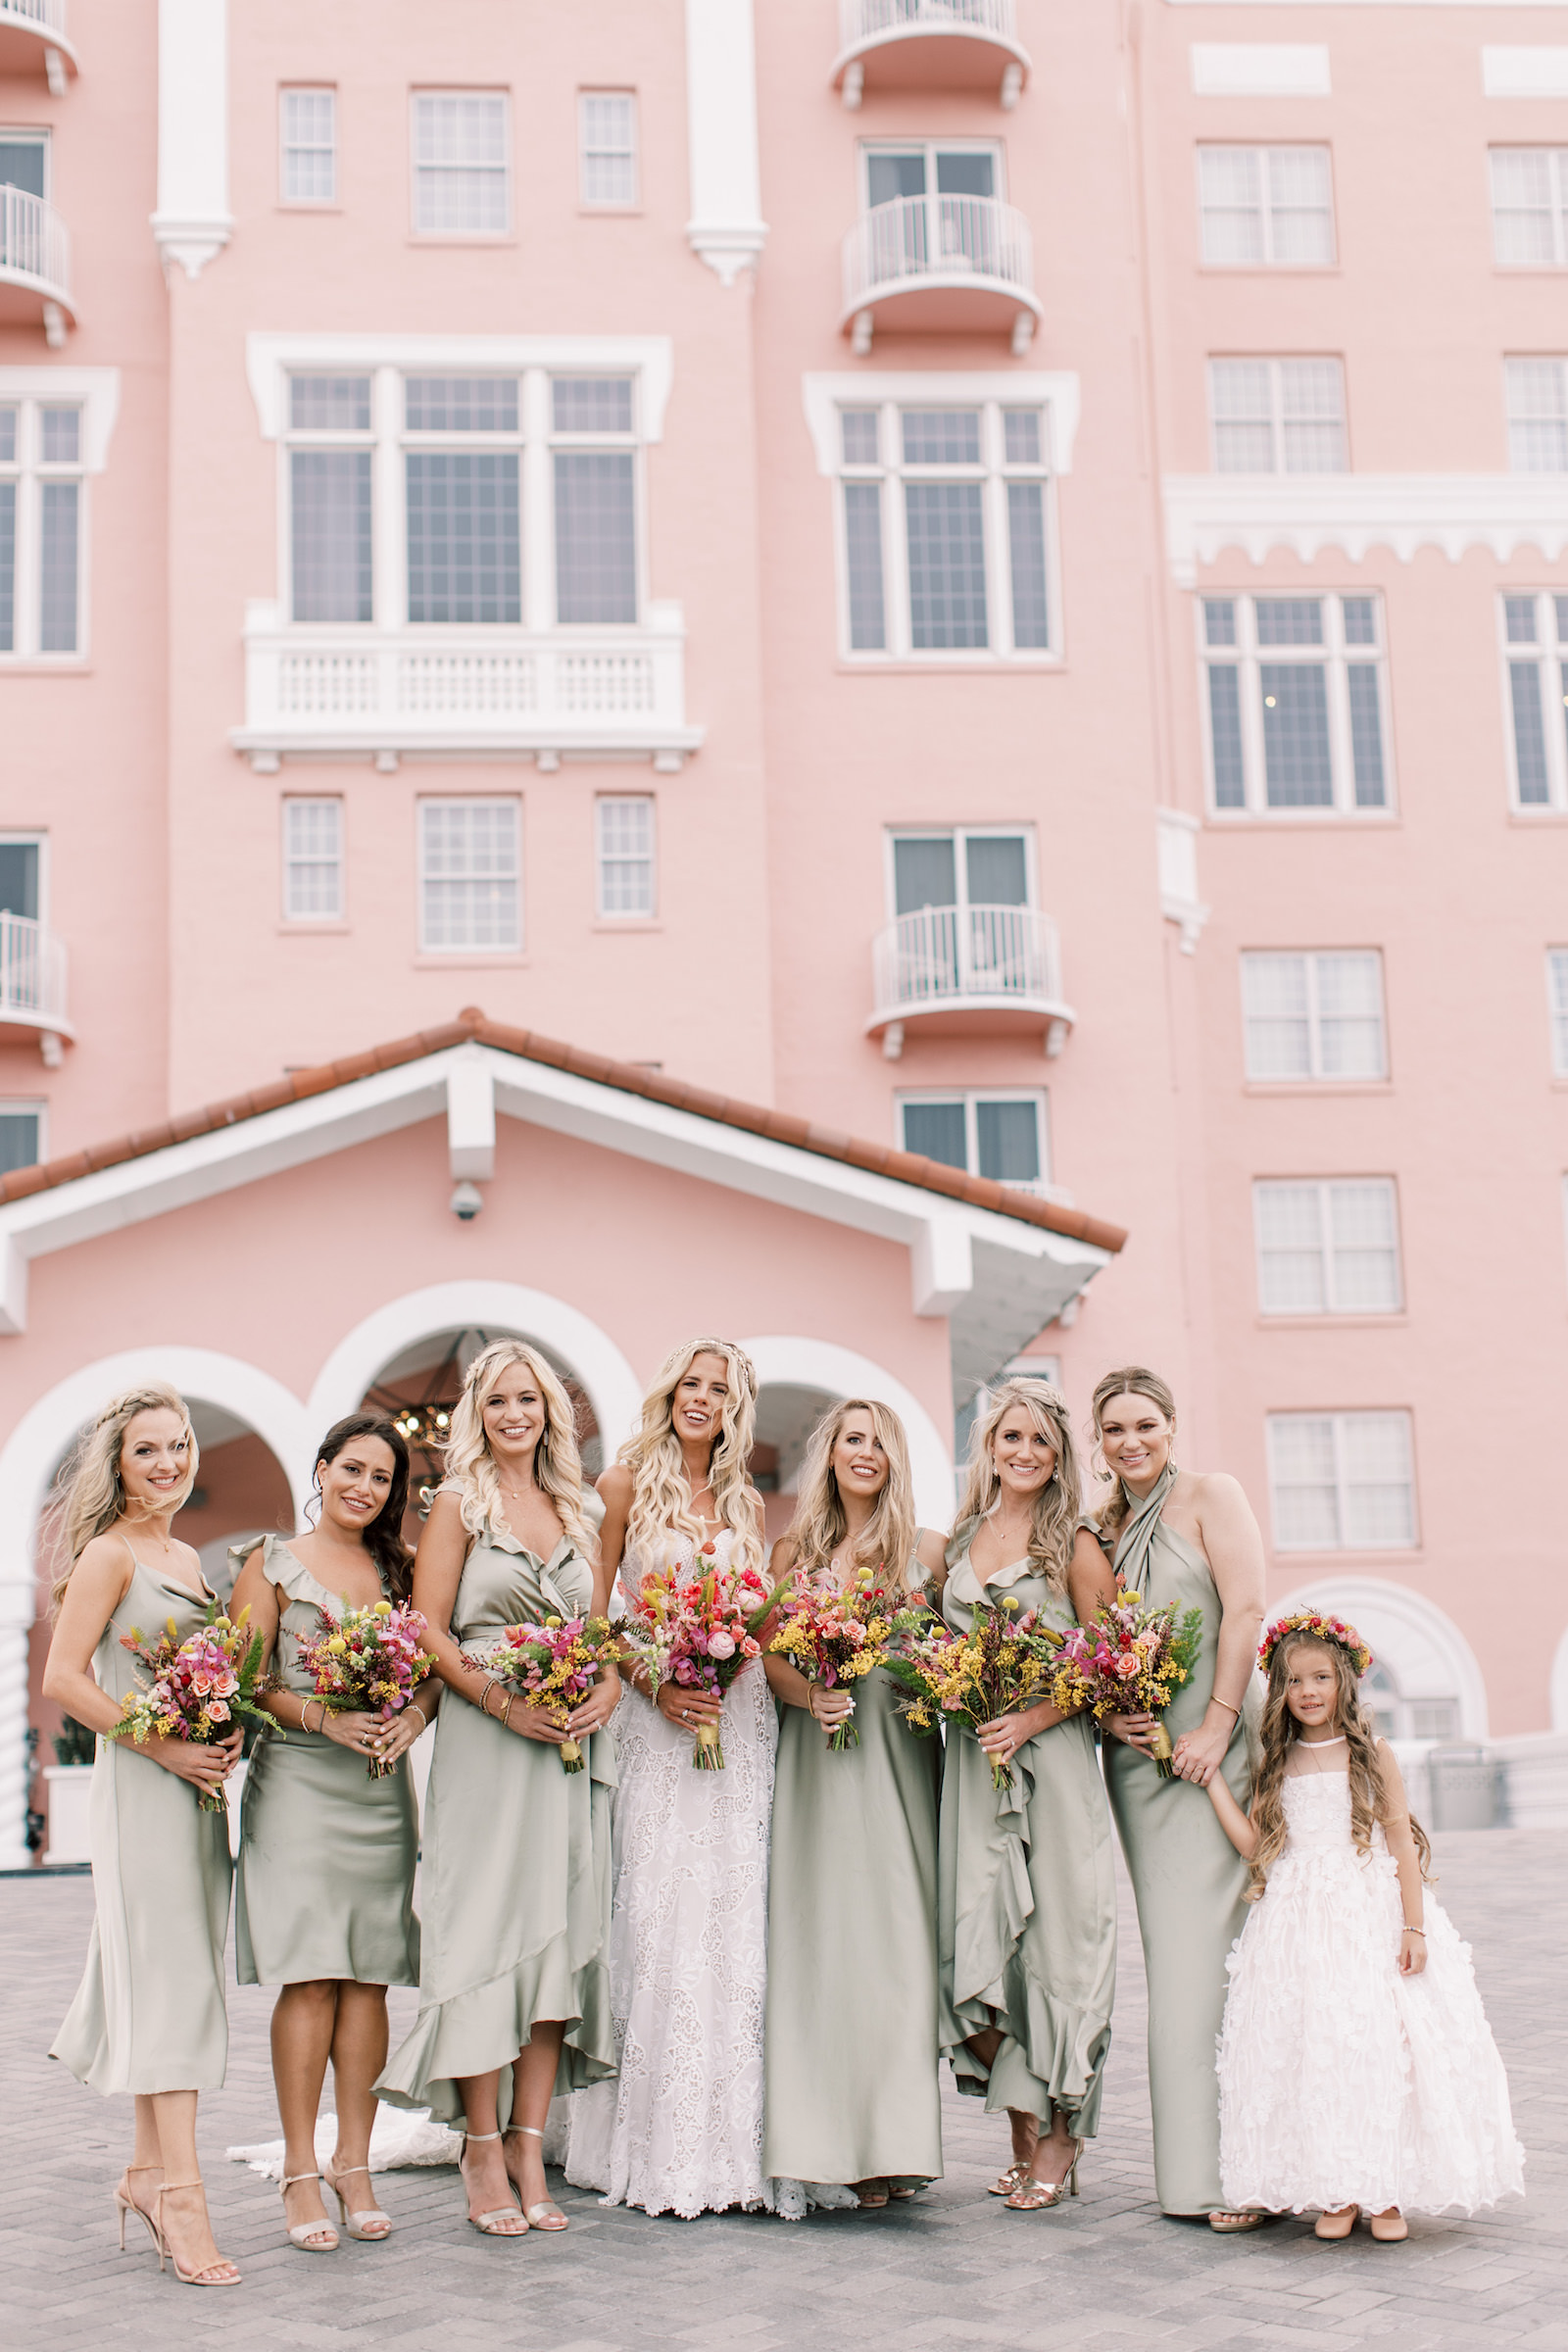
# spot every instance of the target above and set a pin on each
(1356, 2068)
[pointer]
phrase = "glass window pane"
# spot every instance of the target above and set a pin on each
(1289, 620)
(1522, 204)
(330, 404)
(1528, 734)
(8, 567)
(1296, 735)
(607, 129)
(1007, 1137)
(460, 159)
(1378, 1501)
(1026, 542)
(463, 536)
(310, 161)
(57, 615)
(860, 431)
(1350, 994)
(1366, 1257)
(936, 1130)
(1538, 416)
(889, 177)
(460, 404)
(1244, 415)
(1360, 620)
(863, 542)
(18, 1140)
(1366, 735)
(1306, 1517)
(1275, 1006)
(941, 437)
(591, 404)
(595, 536)
(1225, 735)
(625, 856)
(1289, 1249)
(1231, 201)
(62, 436)
(962, 175)
(1301, 217)
(947, 564)
(24, 162)
(1312, 405)
(996, 869)
(19, 878)
(1220, 620)
(7, 436)
(312, 876)
(331, 533)
(1519, 616)
(1559, 608)
(925, 872)
(469, 884)
(1021, 436)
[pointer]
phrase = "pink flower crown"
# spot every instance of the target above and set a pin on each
(1333, 1631)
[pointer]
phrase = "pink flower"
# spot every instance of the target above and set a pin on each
(721, 1644)
(217, 1711)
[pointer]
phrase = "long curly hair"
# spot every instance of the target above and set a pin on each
(660, 1494)
(1058, 1506)
(382, 1537)
(90, 1492)
(1280, 1732)
(820, 1524)
(1128, 1380)
(471, 1469)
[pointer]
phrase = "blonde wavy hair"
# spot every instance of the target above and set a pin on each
(1128, 1380)
(471, 1472)
(820, 1523)
(1279, 1734)
(1054, 1525)
(90, 1492)
(661, 1495)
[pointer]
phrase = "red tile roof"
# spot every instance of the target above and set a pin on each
(470, 1026)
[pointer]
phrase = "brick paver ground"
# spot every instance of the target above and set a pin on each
(950, 2272)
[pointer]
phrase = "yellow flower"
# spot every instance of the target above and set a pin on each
(383, 1608)
(337, 1645)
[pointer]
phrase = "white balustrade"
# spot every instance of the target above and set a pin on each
(865, 19)
(34, 244)
(32, 975)
(937, 239)
(945, 959)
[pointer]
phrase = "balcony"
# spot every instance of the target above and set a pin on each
(939, 265)
(377, 694)
(968, 971)
(32, 40)
(32, 987)
(929, 45)
(34, 265)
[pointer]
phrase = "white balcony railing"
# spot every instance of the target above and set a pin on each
(32, 984)
(34, 263)
(932, 44)
(941, 262)
(32, 34)
(380, 693)
(969, 968)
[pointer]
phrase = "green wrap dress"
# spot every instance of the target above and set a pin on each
(1027, 1925)
(326, 1880)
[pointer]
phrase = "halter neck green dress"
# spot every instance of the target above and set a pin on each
(1189, 1880)
(515, 1883)
(149, 2013)
(1027, 1927)
(326, 1880)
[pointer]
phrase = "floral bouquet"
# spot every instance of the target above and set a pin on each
(1130, 1660)
(553, 1667)
(836, 1638)
(1002, 1663)
(200, 1686)
(697, 1627)
(368, 1661)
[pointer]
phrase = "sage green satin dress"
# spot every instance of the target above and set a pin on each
(1028, 1902)
(851, 2052)
(149, 2013)
(326, 1880)
(1189, 1880)
(515, 1883)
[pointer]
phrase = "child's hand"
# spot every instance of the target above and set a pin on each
(1412, 1952)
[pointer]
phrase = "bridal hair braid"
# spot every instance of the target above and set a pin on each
(660, 1496)
(472, 1471)
(1129, 1380)
(1053, 1523)
(1280, 1732)
(383, 1537)
(89, 1487)
(820, 1524)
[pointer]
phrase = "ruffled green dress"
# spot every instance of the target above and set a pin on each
(1027, 1922)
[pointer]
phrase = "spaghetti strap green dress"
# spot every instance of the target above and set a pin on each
(1188, 1877)
(324, 1888)
(851, 2088)
(516, 1883)
(1027, 1925)
(149, 2013)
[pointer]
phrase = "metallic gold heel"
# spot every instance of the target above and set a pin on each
(544, 2214)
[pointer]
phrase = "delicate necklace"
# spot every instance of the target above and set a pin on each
(1337, 1740)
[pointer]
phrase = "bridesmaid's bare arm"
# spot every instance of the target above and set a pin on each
(98, 1584)
(1234, 1547)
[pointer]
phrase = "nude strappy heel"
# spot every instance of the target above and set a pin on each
(489, 2223)
(189, 2278)
(125, 2203)
(301, 2233)
(545, 2213)
(354, 2222)
(1040, 2196)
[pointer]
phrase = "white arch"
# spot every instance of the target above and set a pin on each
(613, 1389)
(801, 1364)
(1425, 1651)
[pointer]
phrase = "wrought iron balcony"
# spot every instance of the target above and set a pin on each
(32, 40)
(34, 265)
(939, 265)
(929, 45)
(32, 987)
(956, 971)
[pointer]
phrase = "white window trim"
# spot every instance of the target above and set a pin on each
(618, 204)
(1548, 651)
(509, 169)
(1337, 1416)
(338, 918)
(1275, 362)
(1324, 1186)
(95, 392)
(1559, 1070)
(1556, 150)
(34, 134)
(622, 915)
(1247, 656)
(35, 1106)
(958, 835)
(468, 800)
(970, 1096)
(1267, 260)
(307, 203)
(931, 149)
(1316, 1075)
(33, 836)
(1537, 359)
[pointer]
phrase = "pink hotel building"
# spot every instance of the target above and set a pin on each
(967, 599)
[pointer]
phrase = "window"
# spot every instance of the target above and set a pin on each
(1277, 416)
(607, 147)
(1530, 207)
(460, 164)
(1295, 703)
(1327, 1249)
(945, 530)
(21, 874)
(596, 499)
(462, 516)
(308, 139)
(42, 502)
(24, 161)
(469, 876)
(1537, 415)
(964, 869)
(329, 497)
(626, 853)
(938, 168)
(1342, 1482)
(313, 861)
(1266, 207)
(1534, 660)
(1396, 1716)
(1001, 1135)
(1558, 1000)
(1314, 1016)
(21, 1135)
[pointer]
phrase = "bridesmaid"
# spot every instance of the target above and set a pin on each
(851, 2089)
(149, 2016)
(1028, 1901)
(1188, 1537)
(514, 1980)
(324, 1899)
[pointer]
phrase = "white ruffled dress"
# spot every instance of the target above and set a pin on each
(1340, 2081)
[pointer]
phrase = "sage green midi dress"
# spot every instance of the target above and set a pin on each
(515, 1883)
(850, 2050)
(1189, 1880)
(149, 2013)
(325, 1881)
(1028, 1903)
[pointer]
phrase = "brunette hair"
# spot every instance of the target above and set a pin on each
(382, 1537)
(1278, 1735)
(1053, 1523)
(820, 1523)
(1128, 1380)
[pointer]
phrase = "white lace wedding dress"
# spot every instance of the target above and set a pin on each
(1340, 2081)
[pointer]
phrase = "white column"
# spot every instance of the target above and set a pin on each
(726, 227)
(16, 1617)
(193, 221)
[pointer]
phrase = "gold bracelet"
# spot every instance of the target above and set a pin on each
(1229, 1709)
(305, 1716)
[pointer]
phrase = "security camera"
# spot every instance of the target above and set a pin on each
(465, 1202)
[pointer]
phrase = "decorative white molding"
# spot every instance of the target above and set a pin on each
(1260, 69)
(1207, 512)
(793, 1362)
(270, 358)
(726, 228)
(471, 1119)
(193, 221)
(1176, 846)
(1512, 72)
(96, 390)
(1057, 390)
